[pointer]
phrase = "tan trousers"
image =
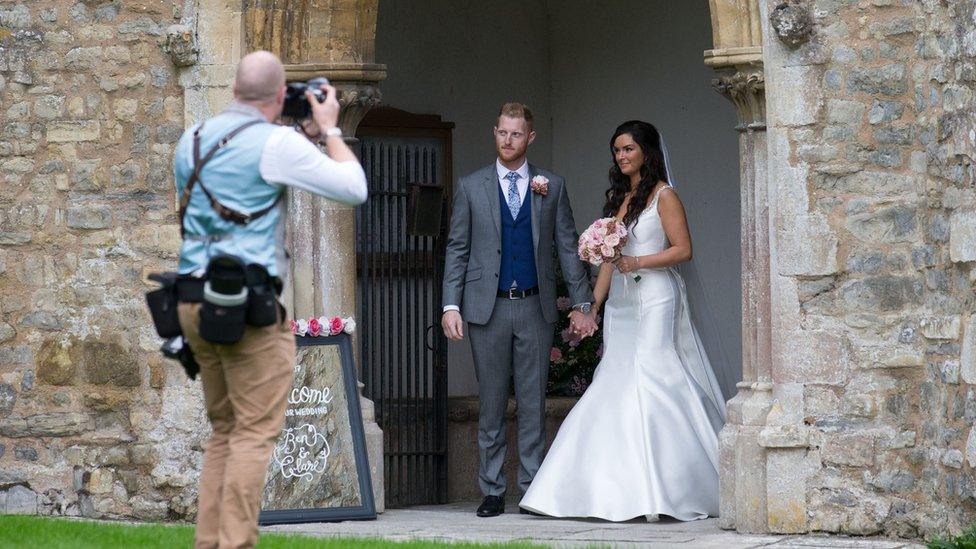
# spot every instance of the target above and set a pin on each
(245, 386)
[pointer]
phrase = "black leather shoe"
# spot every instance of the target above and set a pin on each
(492, 506)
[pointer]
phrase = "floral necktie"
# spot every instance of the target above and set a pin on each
(514, 202)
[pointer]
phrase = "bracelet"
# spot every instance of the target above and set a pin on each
(334, 131)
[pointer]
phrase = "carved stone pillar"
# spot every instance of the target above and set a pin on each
(334, 39)
(737, 59)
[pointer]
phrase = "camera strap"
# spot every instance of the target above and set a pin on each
(228, 214)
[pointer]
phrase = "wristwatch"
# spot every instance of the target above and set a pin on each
(583, 308)
(335, 131)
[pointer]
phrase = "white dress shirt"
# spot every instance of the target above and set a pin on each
(523, 188)
(289, 158)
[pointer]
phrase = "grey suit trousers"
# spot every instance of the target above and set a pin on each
(515, 343)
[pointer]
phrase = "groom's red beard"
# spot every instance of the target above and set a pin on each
(510, 153)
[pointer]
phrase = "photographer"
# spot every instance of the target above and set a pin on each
(235, 166)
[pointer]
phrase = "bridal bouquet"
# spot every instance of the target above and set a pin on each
(602, 241)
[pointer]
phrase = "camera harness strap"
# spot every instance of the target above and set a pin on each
(228, 214)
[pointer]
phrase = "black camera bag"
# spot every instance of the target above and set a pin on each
(262, 297)
(162, 305)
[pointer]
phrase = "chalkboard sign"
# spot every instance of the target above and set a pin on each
(318, 470)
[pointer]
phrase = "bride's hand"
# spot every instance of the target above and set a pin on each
(627, 263)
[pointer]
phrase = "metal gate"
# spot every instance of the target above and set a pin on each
(402, 348)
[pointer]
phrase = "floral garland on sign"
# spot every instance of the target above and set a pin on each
(323, 326)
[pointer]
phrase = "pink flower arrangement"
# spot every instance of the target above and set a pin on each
(540, 185)
(555, 355)
(323, 325)
(602, 241)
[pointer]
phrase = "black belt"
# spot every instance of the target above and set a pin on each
(518, 294)
(190, 290)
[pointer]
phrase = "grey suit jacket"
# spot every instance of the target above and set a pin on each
(474, 245)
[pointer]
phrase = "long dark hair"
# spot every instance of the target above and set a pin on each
(653, 170)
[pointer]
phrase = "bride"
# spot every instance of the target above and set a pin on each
(642, 440)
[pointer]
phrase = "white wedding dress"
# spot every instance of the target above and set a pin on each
(643, 439)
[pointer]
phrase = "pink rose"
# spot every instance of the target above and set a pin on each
(562, 303)
(335, 325)
(555, 355)
(540, 185)
(314, 328)
(294, 326)
(612, 239)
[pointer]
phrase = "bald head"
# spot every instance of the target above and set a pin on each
(259, 78)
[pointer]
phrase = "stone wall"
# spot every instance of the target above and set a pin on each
(872, 209)
(871, 139)
(93, 421)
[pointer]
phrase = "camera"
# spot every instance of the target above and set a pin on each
(296, 104)
(177, 349)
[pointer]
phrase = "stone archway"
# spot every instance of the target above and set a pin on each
(336, 38)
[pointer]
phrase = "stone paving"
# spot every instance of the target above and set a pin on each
(457, 522)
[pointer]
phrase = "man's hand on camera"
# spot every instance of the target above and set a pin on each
(326, 114)
(311, 129)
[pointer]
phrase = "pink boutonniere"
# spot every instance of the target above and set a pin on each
(540, 185)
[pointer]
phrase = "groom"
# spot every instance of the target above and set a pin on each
(499, 276)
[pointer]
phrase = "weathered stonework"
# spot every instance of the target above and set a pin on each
(859, 244)
(92, 421)
(868, 425)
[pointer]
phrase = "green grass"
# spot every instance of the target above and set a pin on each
(52, 533)
(965, 540)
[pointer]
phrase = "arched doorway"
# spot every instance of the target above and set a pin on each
(583, 71)
(339, 39)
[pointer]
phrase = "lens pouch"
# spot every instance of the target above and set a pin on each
(223, 312)
(262, 302)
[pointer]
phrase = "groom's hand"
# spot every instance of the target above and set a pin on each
(453, 325)
(582, 324)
